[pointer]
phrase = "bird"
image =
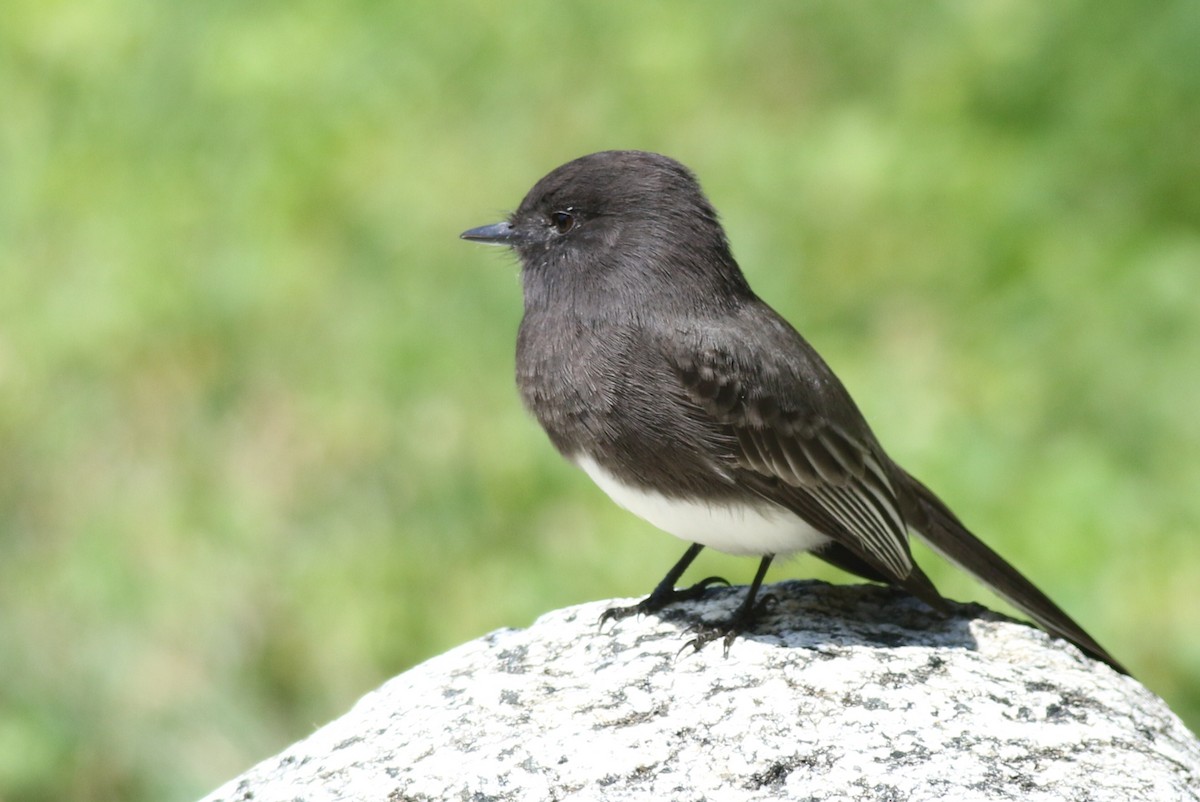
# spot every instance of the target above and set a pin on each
(654, 367)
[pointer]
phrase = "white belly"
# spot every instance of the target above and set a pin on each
(743, 529)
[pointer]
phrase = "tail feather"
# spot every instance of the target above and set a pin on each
(945, 534)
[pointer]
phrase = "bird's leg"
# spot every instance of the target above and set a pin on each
(665, 593)
(745, 615)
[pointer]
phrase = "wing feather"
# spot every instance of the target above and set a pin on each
(830, 477)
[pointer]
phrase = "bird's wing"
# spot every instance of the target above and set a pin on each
(797, 444)
(795, 437)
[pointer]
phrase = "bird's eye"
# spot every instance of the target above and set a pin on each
(563, 221)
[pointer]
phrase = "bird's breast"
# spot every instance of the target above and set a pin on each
(608, 392)
(568, 378)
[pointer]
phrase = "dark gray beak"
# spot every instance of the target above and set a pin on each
(495, 234)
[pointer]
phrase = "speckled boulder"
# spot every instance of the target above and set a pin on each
(843, 692)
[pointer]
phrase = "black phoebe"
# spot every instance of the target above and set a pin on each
(654, 367)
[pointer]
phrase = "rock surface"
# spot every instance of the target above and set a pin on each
(843, 692)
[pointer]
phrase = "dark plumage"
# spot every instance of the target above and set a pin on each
(650, 362)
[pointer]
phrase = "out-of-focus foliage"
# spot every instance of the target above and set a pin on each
(259, 445)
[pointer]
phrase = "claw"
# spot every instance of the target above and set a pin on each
(697, 590)
(658, 600)
(617, 613)
(727, 630)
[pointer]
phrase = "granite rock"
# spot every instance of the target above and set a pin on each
(841, 693)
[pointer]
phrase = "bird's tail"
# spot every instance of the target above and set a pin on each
(946, 535)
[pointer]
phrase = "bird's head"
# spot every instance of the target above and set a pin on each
(622, 218)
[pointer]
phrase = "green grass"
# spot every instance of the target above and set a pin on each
(259, 444)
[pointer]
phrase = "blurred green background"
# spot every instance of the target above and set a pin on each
(259, 443)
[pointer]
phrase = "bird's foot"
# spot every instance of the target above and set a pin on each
(660, 598)
(728, 630)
